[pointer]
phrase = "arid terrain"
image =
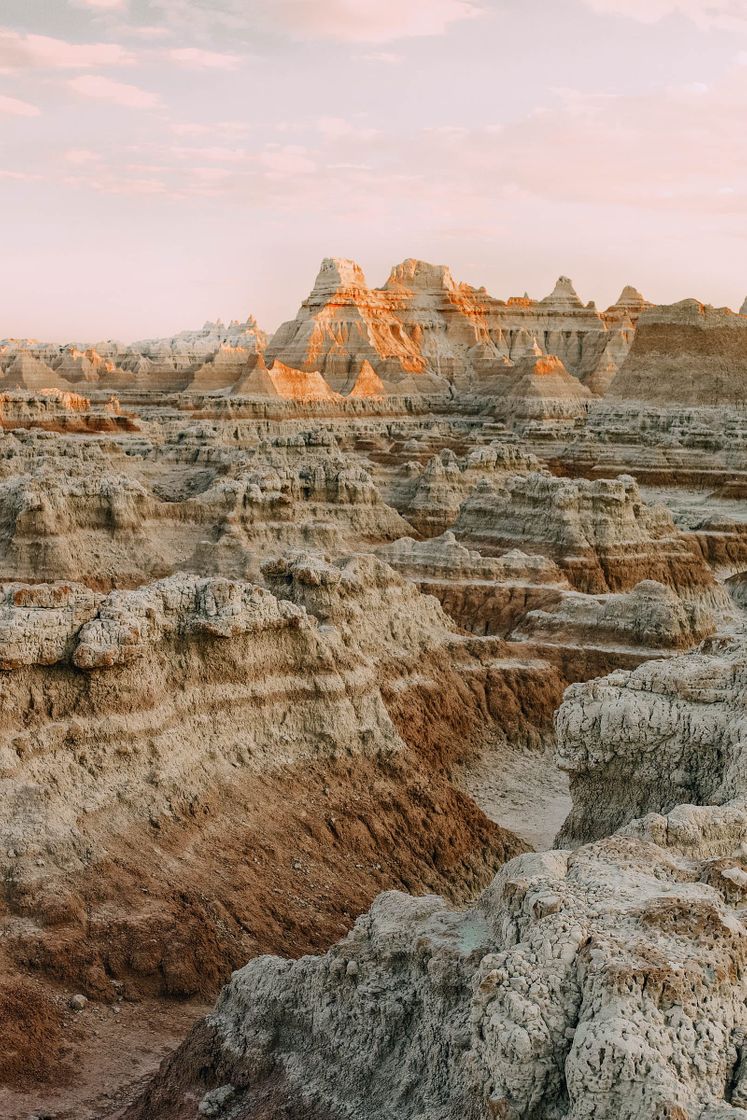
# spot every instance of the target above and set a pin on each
(382, 680)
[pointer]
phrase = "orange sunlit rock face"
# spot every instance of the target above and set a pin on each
(422, 332)
(425, 326)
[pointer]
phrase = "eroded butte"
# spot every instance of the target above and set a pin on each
(397, 662)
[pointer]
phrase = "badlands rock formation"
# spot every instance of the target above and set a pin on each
(425, 328)
(422, 332)
(286, 624)
(689, 353)
(210, 359)
(215, 770)
(601, 984)
(601, 534)
(641, 742)
(540, 397)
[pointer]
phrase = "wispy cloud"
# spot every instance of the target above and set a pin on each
(288, 160)
(354, 21)
(204, 60)
(101, 5)
(365, 22)
(118, 93)
(14, 107)
(726, 14)
(21, 176)
(338, 128)
(224, 129)
(388, 58)
(216, 153)
(24, 52)
(81, 156)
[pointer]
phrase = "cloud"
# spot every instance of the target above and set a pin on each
(24, 52)
(227, 129)
(729, 15)
(218, 153)
(81, 155)
(336, 128)
(115, 184)
(20, 176)
(352, 21)
(289, 160)
(389, 58)
(118, 93)
(101, 5)
(370, 21)
(204, 60)
(14, 107)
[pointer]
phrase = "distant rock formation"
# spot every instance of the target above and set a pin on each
(630, 304)
(743, 308)
(424, 326)
(344, 323)
(422, 332)
(25, 370)
(602, 534)
(542, 398)
(686, 353)
(206, 360)
(224, 369)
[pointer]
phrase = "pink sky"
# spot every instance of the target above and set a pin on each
(168, 161)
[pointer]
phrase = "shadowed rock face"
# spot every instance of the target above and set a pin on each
(686, 353)
(602, 534)
(579, 985)
(644, 741)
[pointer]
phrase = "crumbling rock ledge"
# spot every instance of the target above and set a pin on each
(667, 733)
(601, 984)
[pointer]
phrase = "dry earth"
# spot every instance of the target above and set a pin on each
(380, 604)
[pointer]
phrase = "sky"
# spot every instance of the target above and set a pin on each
(163, 162)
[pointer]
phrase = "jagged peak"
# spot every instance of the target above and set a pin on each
(367, 383)
(743, 308)
(339, 272)
(414, 273)
(631, 297)
(564, 294)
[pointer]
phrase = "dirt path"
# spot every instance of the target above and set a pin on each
(113, 1051)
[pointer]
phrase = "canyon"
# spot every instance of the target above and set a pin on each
(373, 707)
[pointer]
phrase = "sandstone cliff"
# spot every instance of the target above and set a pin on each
(686, 353)
(602, 535)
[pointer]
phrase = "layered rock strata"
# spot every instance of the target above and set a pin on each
(602, 534)
(486, 595)
(430, 495)
(424, 327)
(686, 353)
(200, 769)
(644, 741)
(601, 984)
(110, 529)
